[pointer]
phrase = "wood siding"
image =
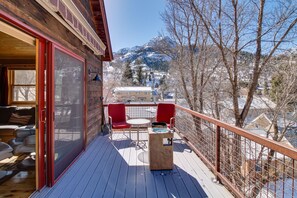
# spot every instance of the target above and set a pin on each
(32, 14)
(94, 103)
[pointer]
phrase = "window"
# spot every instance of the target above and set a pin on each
(23, 87)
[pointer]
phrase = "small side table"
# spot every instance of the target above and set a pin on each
(160, 150)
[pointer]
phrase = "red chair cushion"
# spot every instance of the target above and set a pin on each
(120, 125)
(165, 112)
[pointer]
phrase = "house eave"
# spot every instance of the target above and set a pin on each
(100, 19)
(68, 15)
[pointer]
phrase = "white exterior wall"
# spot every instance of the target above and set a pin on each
(124, 94)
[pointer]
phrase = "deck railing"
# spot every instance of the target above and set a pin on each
(247, 164)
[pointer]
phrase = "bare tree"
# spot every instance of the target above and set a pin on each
(112, 78)
(283, 114)
(258, 26)
(191, 54)
(234, 26)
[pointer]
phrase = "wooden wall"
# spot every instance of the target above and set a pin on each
(94, 103)
(32, 14)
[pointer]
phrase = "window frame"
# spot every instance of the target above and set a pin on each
(12, 85)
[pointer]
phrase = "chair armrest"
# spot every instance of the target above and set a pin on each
(110, 120)
(171, 122)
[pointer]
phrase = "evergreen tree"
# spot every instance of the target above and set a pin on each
(145, 78)
(138, 61)
(140, 77)
(127, 78)
(163, 85)
(276, 83)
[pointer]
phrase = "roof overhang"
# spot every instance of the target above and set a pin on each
(67, 13)
(101, 24)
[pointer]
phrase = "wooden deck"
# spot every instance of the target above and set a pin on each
(117, 169)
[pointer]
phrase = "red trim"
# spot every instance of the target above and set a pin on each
(41, 116)
(27, 29)
(52, 104)
(49, 96)
(85, 105)
(50, 115)
(63, 49)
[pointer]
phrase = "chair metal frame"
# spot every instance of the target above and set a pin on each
(128, 126)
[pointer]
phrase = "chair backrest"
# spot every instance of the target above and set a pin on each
(165, 111)
(117, 112)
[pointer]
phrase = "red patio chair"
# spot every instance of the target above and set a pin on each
(117, 117)
(166, 113)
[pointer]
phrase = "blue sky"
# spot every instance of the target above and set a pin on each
(133, 22)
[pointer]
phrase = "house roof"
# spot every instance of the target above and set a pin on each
(101, 25)
(133, 89)
(262, 121)
(257, 103)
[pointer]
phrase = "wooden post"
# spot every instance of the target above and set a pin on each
(218, 150)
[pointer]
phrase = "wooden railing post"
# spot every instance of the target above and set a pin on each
(218, 150)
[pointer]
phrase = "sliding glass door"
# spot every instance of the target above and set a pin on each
(68, 109)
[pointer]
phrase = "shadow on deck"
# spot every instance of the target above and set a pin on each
(118, 169)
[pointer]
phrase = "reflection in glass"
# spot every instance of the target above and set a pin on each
(68, 110)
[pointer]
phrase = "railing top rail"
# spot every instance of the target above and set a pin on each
(283, 149)
(136, 105)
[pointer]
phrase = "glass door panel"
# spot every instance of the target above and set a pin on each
(68, 110)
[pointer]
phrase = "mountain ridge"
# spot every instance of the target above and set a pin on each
(146, 54)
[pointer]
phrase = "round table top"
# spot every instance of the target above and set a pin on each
(138, 121)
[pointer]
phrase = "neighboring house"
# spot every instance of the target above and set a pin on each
(260, 122)
(259, 105)
(63, 43)
(254, 154)
(130, 94)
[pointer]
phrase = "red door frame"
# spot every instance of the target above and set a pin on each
(40, 165)
(47, 47)
(41, 65)
(51, 108)
(50, 116)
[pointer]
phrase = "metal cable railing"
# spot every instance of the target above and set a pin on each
(248, 164)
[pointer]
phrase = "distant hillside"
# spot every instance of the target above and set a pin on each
(146, 55)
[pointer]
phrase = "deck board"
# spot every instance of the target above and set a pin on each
(131, 176)
(189, 177)
(205, 177)
(83, 177)
(117, 169)
(71, 174)
(113, 179)
(100, 168)
(121, 182)
(151, 190)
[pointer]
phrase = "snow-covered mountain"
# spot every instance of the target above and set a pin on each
(146, 55)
